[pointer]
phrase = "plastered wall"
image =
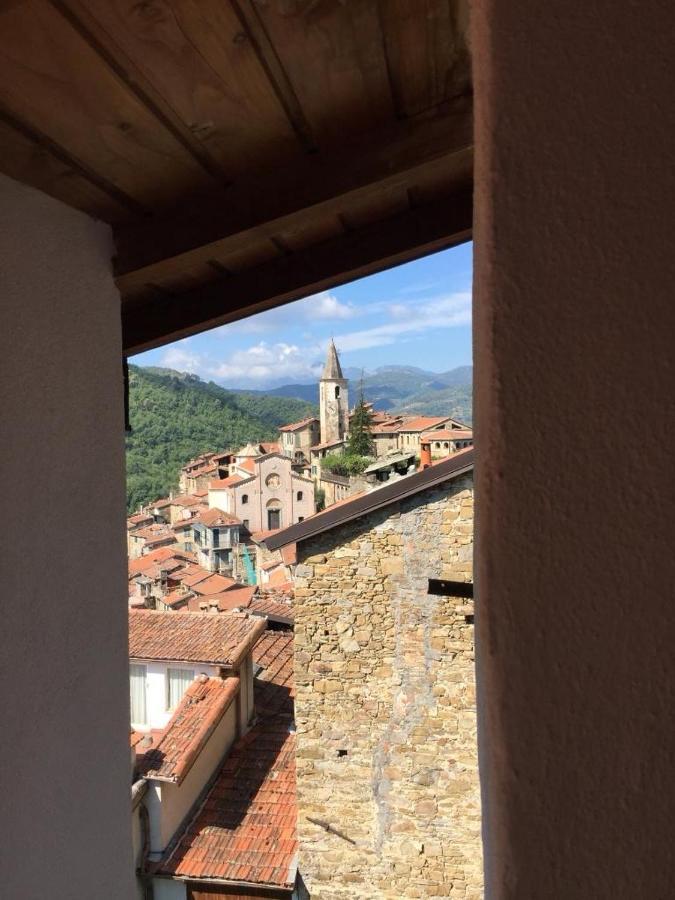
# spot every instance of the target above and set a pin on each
(64, 778)
(574, 274)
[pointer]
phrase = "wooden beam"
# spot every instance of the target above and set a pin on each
(151, 323)
(286, 199)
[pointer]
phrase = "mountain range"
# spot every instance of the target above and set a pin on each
(399, 389)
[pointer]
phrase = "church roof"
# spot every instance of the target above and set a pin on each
(332, 370)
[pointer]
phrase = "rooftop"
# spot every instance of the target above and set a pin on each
(448, 434)
(192, 637)
(220, 484)
(201, 708)
(294, 426)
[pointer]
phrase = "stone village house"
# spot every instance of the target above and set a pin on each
(388, 794)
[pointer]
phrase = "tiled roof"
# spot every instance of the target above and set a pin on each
(326, 445)
(192, 637)
(270, 446)
(201, 708)
(214, 516)
(295, 425)
(274, 686)
(258, 536)
(142, 563)
(214, 584)
(248, 465)
(273, 609)
(234, 598)
(448, 434)
(245, 829)
(422, 423)
(221, 484)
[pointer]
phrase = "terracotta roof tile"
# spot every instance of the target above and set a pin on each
(301, 424)
(214, 516)
(276, 610)
(221, 484)
(448, 434)
(274, 685)
(202, 707)
(245, 829)
(238, 597)
(214, 584)
(192, 637)
(423, 423)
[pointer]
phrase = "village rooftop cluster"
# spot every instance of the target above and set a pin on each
(219, 575)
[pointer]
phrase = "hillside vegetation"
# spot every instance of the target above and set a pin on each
(175, 416)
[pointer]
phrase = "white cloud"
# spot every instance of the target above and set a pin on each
(323, 307)
(257, 365)
(437, 312)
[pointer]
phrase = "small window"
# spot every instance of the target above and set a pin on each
(177, 682)
(313, 470)
(337, 391)
(438, 445)
(299, 495)
(301, 518)
(245, 523)
(446, 445)
(244, 498)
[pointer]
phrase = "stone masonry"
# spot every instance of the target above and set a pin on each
(385, 704)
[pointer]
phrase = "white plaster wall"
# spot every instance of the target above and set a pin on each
(166, 889)
(64, 812)
(156, 690)
(168, 804)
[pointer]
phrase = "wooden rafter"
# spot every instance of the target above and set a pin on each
(151, 323)
(290, 198)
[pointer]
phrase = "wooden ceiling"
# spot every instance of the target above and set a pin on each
(246, 152)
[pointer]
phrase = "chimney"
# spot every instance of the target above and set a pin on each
(203, 607)
(213, 606)
(425, 455)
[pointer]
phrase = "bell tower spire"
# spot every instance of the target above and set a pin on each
(333, 399)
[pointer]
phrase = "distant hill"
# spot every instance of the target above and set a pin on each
(175, 416)
(402, 389)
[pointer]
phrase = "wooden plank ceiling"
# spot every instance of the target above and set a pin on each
(246, 152)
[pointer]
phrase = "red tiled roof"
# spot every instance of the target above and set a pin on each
(448, 434)
(301, 424)
(245, 829)
(177, 596)
(238, 597)
(136, 566)
(274, 685)
(221, 483)
(214, 516)
(326, 445)
(214, 584)
(192, 637)
(248, 465)
(273, 609)
(289, 554)
(422, 423)
(202, 707)
(278, 577)
(270, 446)
(258, 536)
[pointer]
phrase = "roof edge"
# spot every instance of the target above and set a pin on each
(453, 467)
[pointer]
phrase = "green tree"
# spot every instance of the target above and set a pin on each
(360, 442)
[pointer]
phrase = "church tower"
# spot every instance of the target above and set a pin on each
(333, 399)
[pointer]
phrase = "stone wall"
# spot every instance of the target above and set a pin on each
(385, 704)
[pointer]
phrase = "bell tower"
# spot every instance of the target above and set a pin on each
(333, 399)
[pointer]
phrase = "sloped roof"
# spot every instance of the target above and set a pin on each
(294, 426)
(448, 434)
(213, 584)
(368, 501)
(244, 830)
(214, 516)
(220, 484)
(201, 708)
(192, 637)
(423, 423)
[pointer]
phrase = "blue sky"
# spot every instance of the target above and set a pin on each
(418, 314)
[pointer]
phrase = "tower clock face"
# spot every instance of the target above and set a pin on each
(273, 480)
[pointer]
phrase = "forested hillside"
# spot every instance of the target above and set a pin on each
(175, 416)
